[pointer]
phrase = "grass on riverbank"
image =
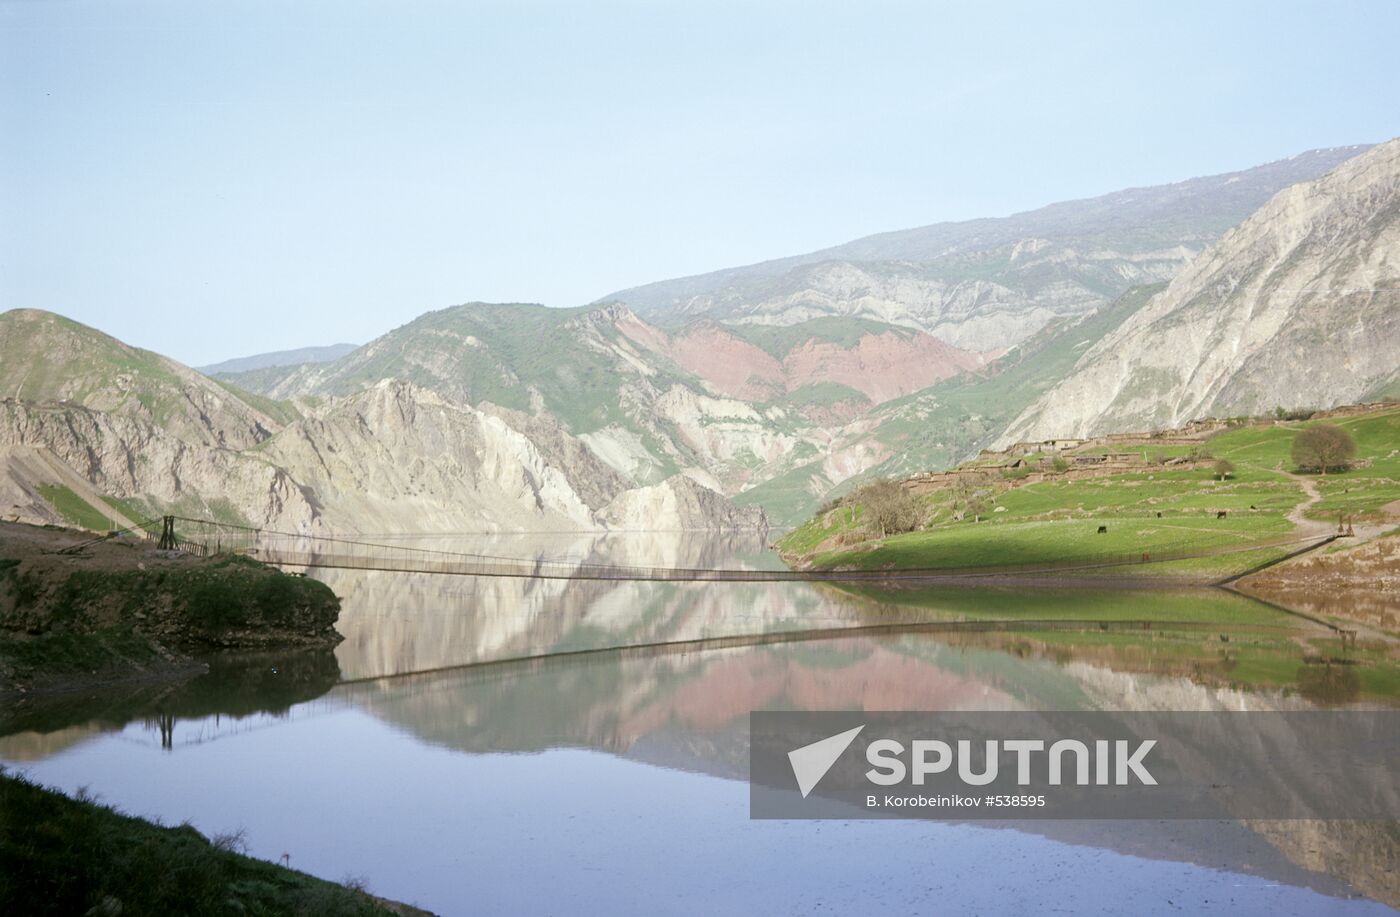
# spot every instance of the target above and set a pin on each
(72, 856)
(1158, 511)
(1009, 544)
(1360, 492)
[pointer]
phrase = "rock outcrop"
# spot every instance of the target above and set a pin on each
(683, 503)
(132, 459)
(401, 458)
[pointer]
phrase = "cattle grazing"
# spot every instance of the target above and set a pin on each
(1103, 530)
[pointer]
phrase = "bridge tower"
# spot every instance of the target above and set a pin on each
(167, 534)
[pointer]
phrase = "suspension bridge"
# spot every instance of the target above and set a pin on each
(304, 551)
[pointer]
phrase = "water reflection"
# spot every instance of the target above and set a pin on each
(236, 685)
(689, 711)
(664, 676)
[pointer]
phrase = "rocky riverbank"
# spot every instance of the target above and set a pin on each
(75, 613)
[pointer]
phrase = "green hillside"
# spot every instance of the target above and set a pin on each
(48, 358)
(502, 353)
(1162, 510)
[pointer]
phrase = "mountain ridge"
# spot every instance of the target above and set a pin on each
(1295, 307)
(153, 436)
(1249, 188)
(607, 415)
(279, 358)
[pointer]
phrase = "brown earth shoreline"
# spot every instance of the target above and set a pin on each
(1359, 584)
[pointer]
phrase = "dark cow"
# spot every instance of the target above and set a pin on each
(1103, 530)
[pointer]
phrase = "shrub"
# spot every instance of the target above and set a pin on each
(889, 508)
(1281, 413)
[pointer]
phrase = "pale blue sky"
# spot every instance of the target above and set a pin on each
(216, 179)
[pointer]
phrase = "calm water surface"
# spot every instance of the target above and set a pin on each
(613, 782)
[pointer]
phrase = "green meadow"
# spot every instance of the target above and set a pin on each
(1159, 513)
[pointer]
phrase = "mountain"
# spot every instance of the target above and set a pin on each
(47, 358)
(92, 428)
(1298, 306)
(732, 408)
(279, 358)
(782, 407)
(693, 403)
(986, 285)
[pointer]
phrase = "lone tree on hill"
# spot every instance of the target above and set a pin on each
(889, 508)
(1224, 468)
(1323, 446)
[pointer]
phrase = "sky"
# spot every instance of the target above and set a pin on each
(215, 180)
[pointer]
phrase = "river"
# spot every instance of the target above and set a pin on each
(481, 745)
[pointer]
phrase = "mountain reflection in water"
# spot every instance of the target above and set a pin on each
(489, 684)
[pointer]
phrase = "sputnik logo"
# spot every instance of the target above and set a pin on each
(811, 762)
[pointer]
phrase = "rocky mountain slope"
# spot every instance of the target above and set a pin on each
(772, 416)
(1298, 306)
(986, 285)
(150, 436)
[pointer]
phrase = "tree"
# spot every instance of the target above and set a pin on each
(1224, 468)
(1323, 446)
(889, 508)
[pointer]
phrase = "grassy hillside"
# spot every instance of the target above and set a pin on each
(62, 855)
(507, 354)
(259, 381)
(46, 357)
(283, 412)
(1362, 492)
(74, 509)
(1159, 510)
